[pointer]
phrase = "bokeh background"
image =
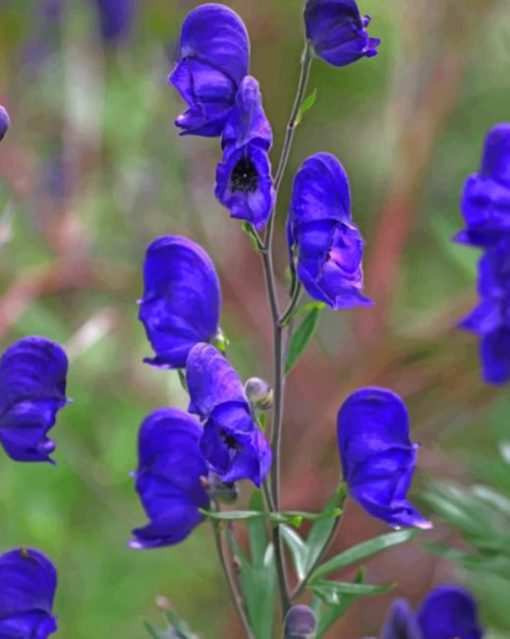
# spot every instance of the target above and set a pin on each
(92, 170)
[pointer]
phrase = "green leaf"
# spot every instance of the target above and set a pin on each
(330, 591)
(179, 628)
(253, 236)
(297, 548)
(327, 615)
(259, 586)
(306, 308)
(257, 533)
(292, 517)
(363, 550)
(301, 337)
(231, 515)
(155, 632)
(306, 105)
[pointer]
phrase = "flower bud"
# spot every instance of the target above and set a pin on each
(300, 623)
(259, 393)
(5, 121)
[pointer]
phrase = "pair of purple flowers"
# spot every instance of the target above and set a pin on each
(486, 210)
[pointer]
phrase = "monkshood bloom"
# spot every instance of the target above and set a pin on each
(32, 390)
(233, 446)
(181, 301)
(486, 198)
(28, 581)
(115, 18)
(214, 52)
(401, 622)
(300, 623)
(338, 32)
(4, 121)
(491, 318)
(244, 183)
(449, 612)
(378, 457)
(327, 245)
(169, 478)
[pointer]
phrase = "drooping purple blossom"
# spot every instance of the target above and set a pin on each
(338, 32)
(115, 18)
(378, 457)
(485, 201)
(33, 374)
(244, 183)
(232, 444)
(447, 612)
(28, 581)
(213, 59)
(326, 245)
(5, 121)
(400, 622)
(169, 478)
(181, 301)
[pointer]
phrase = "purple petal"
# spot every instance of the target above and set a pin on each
(449, 611)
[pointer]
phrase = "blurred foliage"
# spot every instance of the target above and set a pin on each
(92, 170)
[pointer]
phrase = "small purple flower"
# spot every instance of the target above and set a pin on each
(214, 54)
(181, 301)
(328, 246)
(33, 374)
(115, 18)
(244, 183)
(378, 457)
(300, 623)
(401, 622)
(28, 581)
(169, 478)
(233, 446)
(5, 121)
(486, 198)
(449, 612)
(338, 32)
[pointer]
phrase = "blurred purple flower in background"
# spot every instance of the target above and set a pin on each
(401, 622)
(115, 18)
(214, 54)
(300, 623)
(5, 121)
(169, 478)
(28, 581)
(326, 244)
(181, 301)
(33, 374)
(243, 179)
(378, 457)
(232, 444)
(338, 32)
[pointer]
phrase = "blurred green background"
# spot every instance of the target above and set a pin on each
(92, 170)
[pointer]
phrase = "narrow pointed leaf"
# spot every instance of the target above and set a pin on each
(302, 337)
(298, 550)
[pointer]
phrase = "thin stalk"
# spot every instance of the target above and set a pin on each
(231, 580)
(292, 305)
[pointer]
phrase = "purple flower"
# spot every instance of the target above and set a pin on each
(214, 54)
(244, 183)
(401, 622)
(115, 18)
(447, 612)
(181, 301)
(28, 581)
(328, 246)
(300, 623)
(32, 390)
(486, 198)
(233, 446)
(338, 32)
(169, 478)
(5, 121)
(378, 457)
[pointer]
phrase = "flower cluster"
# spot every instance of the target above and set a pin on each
(28, 582)
(180, 455)
(446, 612)
(486, 210)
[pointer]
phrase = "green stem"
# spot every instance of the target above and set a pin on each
(292, 305)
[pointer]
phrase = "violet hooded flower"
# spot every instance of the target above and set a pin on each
(33, 374)
(28, 581)
(231, 443)
(115, 18)
(378, 457)
(401, 622)
(169, 478)
(338, 32)
(486, 198)
(182, 299)
(214, 54)
(244, 183)
(5, 122)
(447, 612)
(326, 244)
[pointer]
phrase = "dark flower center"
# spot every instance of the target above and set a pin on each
(230, 441)
(244, 177)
